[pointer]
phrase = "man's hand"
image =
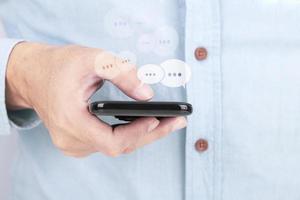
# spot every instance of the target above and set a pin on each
(58, 81)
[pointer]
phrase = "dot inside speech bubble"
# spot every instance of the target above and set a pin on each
(177, 73)
(150, 73)
(128, 56)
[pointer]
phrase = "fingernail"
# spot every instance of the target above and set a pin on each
(144, 92)
(180, 123)
(153, 125)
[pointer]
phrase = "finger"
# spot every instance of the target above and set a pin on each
(132, 86)
(113, 142)
(122, 74)
(165, 127)
(128, 135)
(95, 133)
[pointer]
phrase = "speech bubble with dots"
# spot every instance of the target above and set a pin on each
(176, 73)
(128, 56)
(118, 24)
(109, 65)
(170, 73)
(150, 73)
(166, 41)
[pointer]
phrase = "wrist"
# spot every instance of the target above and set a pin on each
(20, 73)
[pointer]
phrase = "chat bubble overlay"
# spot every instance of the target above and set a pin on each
(150, 73)
(176, 73)
(166, 41)
(128, 56)
(108, 65)
(118, 24)
(170, 73)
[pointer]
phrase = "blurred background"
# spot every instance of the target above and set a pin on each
(8, 149)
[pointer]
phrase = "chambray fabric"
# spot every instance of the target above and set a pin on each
(246, 98)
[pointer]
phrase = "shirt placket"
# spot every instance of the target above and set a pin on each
(204, 92)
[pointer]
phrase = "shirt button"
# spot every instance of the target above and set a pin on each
(200, 53)
(201, 145)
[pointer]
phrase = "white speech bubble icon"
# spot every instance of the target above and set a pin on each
(150, 73)
(128, 56)
(118, 24)
(177, 73)
(166, 41)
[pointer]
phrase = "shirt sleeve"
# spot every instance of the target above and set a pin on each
(23, 119)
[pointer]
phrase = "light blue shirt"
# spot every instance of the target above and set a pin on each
(246, 99)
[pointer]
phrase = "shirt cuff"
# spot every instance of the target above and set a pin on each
(6, 47)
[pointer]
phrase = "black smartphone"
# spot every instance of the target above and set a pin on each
(130, 110)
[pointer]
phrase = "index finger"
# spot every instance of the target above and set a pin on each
(123, 74)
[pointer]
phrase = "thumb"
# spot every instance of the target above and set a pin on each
(123, 74)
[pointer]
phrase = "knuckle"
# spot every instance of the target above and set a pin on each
(129, 150)
(77, 55)
(114, 151)
(60, 143)
(165, 130)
